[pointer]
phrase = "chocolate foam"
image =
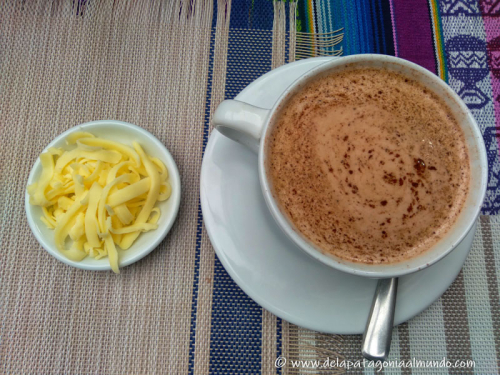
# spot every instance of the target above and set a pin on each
(369, 165)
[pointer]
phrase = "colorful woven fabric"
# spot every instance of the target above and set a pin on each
(166, 66)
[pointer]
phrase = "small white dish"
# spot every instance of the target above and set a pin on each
(268, 266)
(125, 133)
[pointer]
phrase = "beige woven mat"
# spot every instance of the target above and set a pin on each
(129, 61)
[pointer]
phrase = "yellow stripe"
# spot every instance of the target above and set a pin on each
(438, 39)
(311, 24)
(311, 20)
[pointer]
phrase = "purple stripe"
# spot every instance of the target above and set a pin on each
(413, 25)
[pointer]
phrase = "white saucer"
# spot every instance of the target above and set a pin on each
(268, 266)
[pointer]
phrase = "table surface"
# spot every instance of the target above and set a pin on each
(165, 66)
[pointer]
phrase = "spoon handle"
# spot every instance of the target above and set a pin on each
(378, 332)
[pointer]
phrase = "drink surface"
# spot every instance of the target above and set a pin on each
(369, 166)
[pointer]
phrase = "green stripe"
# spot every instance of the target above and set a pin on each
(440, 41)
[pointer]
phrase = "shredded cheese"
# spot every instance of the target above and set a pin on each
(100, 195)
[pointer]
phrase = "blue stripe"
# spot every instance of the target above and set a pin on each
(199, 221)
(323, 25)
(367, 24)
(236, 325)
(347, 29)
(377, 13)
(385, 15)
(367, 29)
(338, 14)
(360, 18)
(372, 28)
(364, 24)
(372, 6)
(252, 14)
(355, 31)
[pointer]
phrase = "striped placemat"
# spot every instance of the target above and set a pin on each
(165, 66)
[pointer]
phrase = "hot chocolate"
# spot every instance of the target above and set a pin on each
(368, 165)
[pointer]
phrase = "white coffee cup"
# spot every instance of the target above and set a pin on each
(251, 126)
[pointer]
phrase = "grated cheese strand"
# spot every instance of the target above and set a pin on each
(153, 193)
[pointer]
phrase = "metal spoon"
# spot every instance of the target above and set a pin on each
(378, 332)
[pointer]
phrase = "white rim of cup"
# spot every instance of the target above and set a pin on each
(312, 250)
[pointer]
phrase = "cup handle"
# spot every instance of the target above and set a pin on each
(241, 122)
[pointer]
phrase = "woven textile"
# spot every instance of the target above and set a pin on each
(165, 66)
